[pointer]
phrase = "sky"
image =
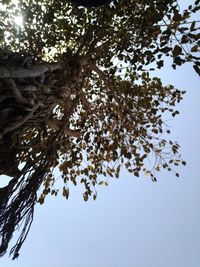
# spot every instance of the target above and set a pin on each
(133, 222)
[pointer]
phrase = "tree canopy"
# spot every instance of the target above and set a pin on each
(77, 95)
(90, 3)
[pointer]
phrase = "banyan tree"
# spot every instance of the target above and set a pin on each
(77, 96)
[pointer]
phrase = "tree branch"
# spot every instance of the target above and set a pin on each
(16, 92)
(32, 72)
(19, 123)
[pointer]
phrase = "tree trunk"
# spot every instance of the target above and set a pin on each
(29, 93)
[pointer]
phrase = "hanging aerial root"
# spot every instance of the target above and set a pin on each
(18, 207)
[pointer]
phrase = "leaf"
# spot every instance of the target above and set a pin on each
(65, 192)
(160, 64)
(41, 200)
(128, 155)
(85, 196)
(184, 39)
(177, 17)
(197, 69)
(166, 49)
(192, 27)
(136, 174)
(176, 51)
(178, 61)
(195, 48)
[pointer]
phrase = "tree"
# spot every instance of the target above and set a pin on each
(77, 95)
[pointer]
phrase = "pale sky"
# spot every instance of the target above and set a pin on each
(134, 222)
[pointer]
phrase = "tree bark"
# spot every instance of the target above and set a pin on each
(32, 72)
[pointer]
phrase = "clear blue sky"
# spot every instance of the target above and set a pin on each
(133, 222)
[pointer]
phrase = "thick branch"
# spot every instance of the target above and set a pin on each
(32, 72)
(16, 92)
(103, 77)
(101, 74)
(19, 123)
(56, 124)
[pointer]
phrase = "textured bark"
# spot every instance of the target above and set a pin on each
(28, 97)
(32, 72)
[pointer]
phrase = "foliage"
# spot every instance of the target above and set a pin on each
(77, 95)
(90, 3)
